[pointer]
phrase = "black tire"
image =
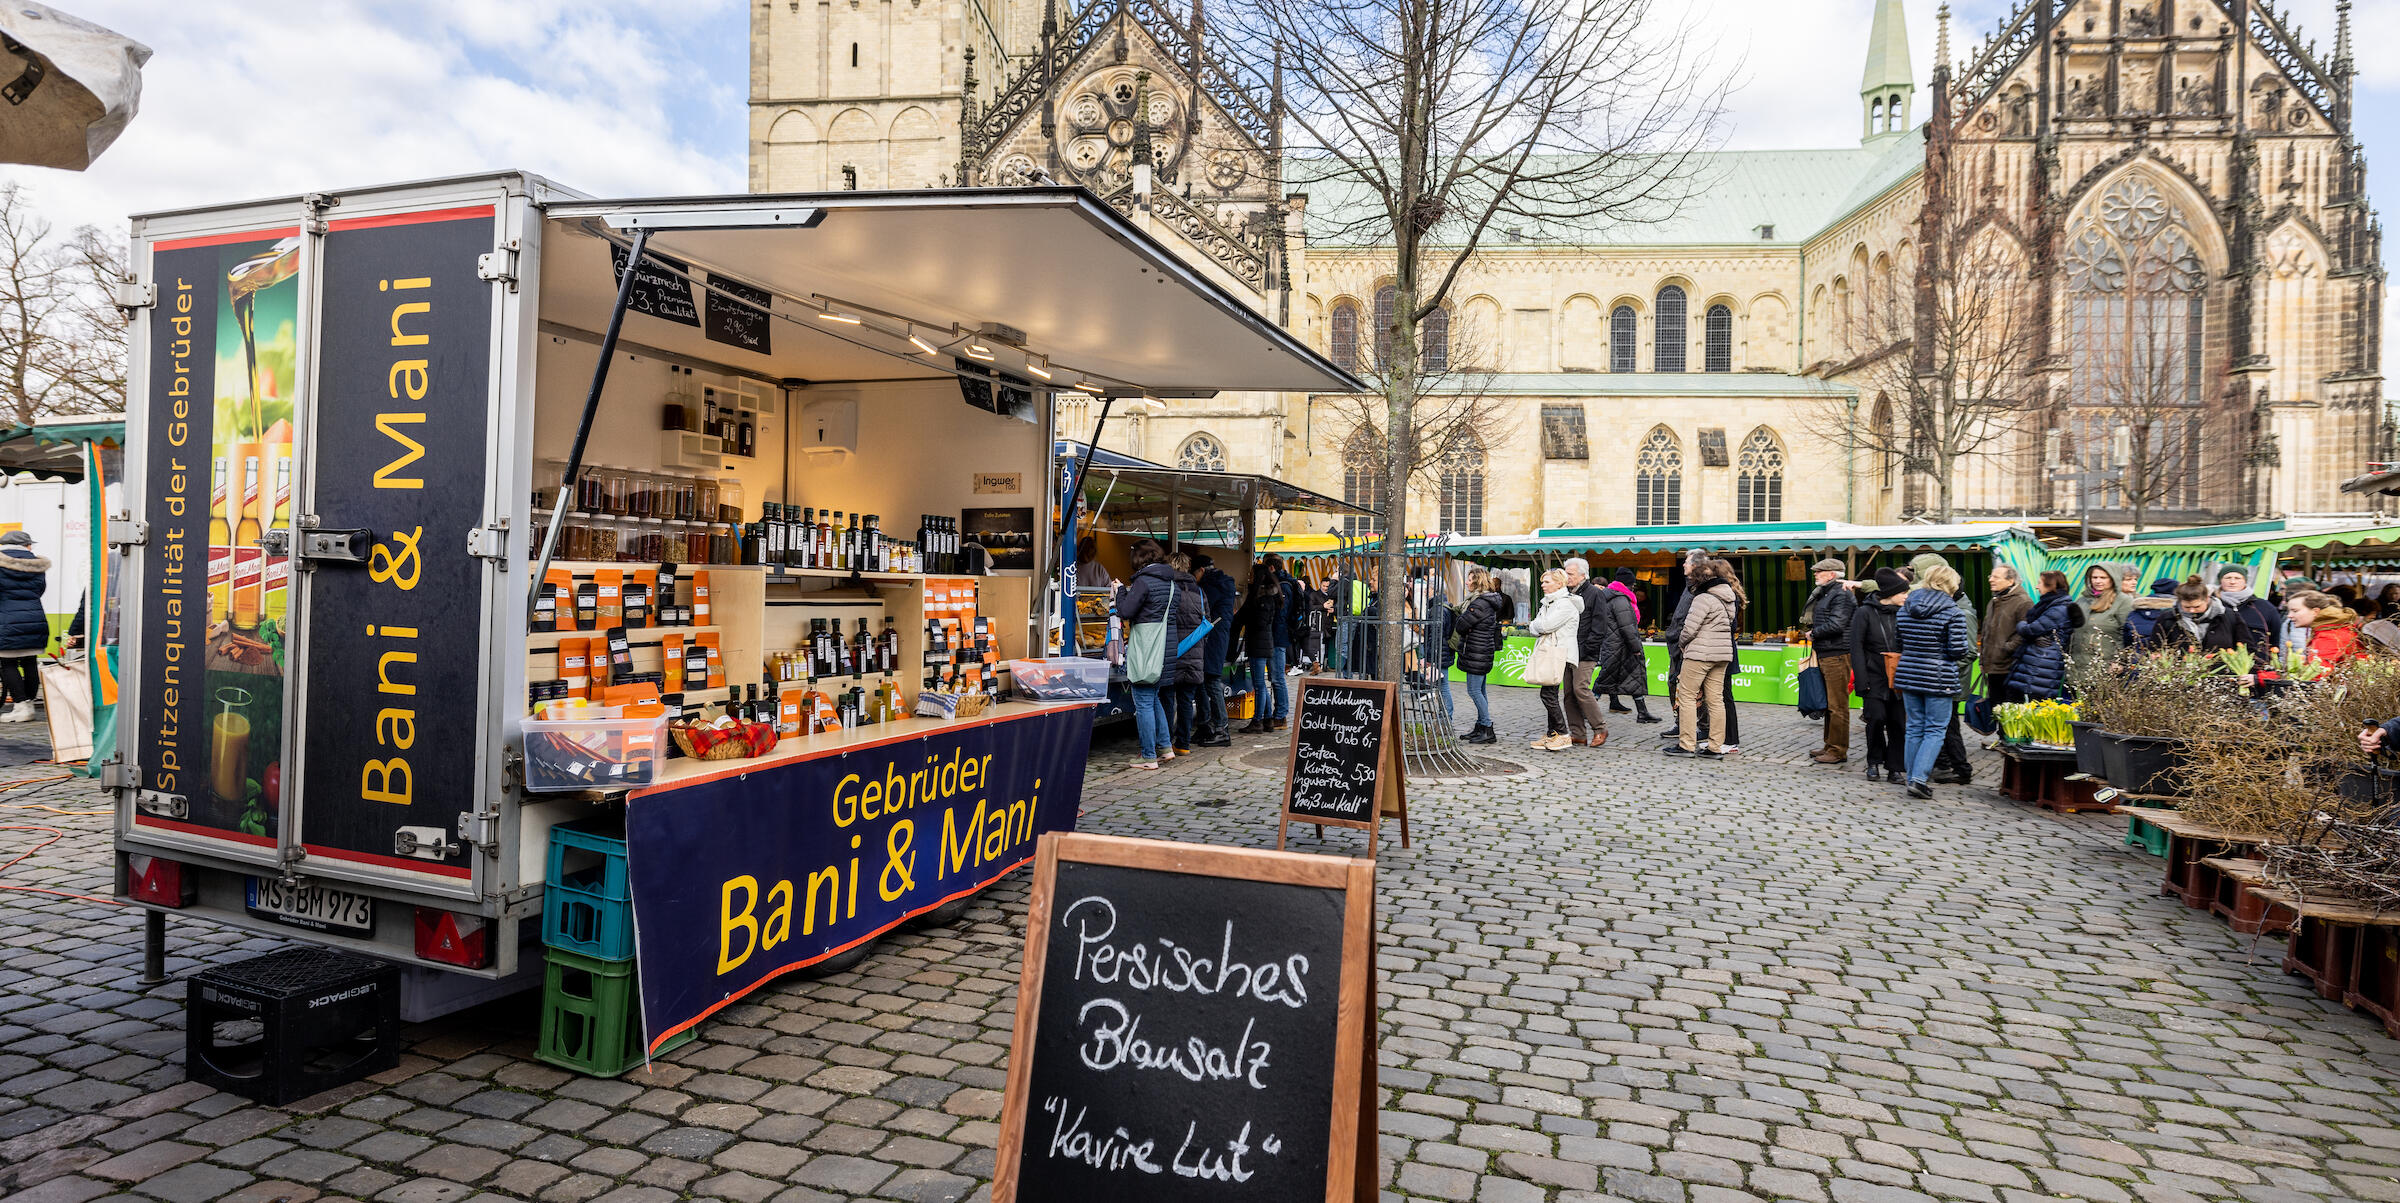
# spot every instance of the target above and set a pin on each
(947, 913)
(840, 962)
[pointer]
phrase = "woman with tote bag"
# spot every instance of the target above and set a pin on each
(1554, 627)
(1145, 604)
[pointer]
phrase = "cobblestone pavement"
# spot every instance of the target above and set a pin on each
(1616, 976)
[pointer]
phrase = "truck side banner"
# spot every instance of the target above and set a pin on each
(740, 879)
(216, 424)
(395, 653)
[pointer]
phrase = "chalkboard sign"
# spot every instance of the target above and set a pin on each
(1194, 1023)
(1345, 767)
(737, 315)
(662, 288)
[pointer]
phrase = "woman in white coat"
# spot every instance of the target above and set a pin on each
(1554, 626)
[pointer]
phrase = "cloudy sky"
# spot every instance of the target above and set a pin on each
(249, 98)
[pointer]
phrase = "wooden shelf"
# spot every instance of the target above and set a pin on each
(543, 641)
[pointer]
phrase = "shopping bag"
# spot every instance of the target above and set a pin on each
(1979, 715)
(67, 702)
(1146, 648)
(1547, 665)
(1812, 692)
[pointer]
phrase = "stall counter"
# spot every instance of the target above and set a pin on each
(1770, 672)
(685, 772)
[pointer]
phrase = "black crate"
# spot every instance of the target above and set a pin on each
(290, 1024)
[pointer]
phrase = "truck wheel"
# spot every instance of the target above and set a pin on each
(839, 962)
(947, 913)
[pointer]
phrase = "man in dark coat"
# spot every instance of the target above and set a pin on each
(1875, 630)
(1585, 722)
(1623, 668)
(2000, 641)
(2233, 588)
(1223, 597)
(1829, 610)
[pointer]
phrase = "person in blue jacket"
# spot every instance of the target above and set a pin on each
(2147, 611)
(2041, 667)
(1933, 643)
(24, 625)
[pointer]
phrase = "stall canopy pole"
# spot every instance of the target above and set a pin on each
(1074, 504)
(591, 406)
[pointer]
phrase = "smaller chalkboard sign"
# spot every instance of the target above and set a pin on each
(662, 287)
(736, 315)
(1194, 1024)
(1345, 767)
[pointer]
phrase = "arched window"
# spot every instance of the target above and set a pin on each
(1384, 298)
(1668, 339)
(1436, 345)
(1758, 485)
(1341, 337)
(1658, 480)
(1886, 439)
(1462, 486)
(1875, 115)
(1362, 477)
(1717, 354)
(2136, 304)
(1201, 453)
(1620, 339)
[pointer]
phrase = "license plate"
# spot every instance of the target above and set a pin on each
(312, 906)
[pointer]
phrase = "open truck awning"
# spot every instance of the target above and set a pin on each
(1137, 488)
(902, 285)
(54, 446)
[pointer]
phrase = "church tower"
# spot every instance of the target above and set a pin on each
(1888, 85)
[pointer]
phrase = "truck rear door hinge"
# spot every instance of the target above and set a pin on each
(128, 532)
(423, 843)
(135, 294)
(489, 542)
(480, 828)
(115, 774)
(500, 264)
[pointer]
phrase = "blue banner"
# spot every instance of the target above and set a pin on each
(740, 878)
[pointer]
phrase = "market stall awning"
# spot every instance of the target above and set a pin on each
(1048, 287)
(54, 446)
(1125, 486)
(2256, 546)
(2013, 545)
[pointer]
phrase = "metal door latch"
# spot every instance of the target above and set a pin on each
(335, 546)
(424, 843)
(161, 803)
(500, 264)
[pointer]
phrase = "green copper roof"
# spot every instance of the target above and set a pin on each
(1887, 51)
(1730, 194)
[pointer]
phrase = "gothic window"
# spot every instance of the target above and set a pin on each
(1563, 433)
(2136, 309)
(1341, 339)
(1362, 478)
(1658, 480)
(1462, 486)
(1758, 490)
(1436, 335)
(1669, 336)
(1886, 440)
(1620, 339)
(1718, 353)
(1201, 453)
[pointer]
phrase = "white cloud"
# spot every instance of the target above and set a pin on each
(272, 97)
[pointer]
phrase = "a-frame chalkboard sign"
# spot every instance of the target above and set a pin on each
(1345, 767)
(1194, 1024)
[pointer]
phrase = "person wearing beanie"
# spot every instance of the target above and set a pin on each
(1874, 635)
(1828, 613)
(1694, 563)
(2148, 611)
(24, 626)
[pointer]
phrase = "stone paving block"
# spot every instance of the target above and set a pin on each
(195, 1183)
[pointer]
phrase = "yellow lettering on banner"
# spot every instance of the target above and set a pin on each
(383, 673)
(955, 848)
(413, 307)
(384, 478)
(832, 877)
(845, 803)
(402, 728)
(385, 781)
(729, 922)
(779, 916)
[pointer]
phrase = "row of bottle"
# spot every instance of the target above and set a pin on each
(649, 541)
(830, 653)
(607, 490)
(851, 543)
(709, 410)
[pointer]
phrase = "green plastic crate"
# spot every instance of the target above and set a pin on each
(592, 1015)
(2150, 837)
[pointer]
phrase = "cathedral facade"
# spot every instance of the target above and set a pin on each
(2170, 183)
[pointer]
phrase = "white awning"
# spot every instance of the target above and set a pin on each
(855, 275)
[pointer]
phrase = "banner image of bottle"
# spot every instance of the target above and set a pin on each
(248, 581)
(276, 584)
(220, 549)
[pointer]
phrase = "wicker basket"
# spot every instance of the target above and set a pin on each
(737, 743)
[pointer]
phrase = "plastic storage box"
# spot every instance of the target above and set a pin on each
(591, 753)
(1060, 679)
(587, 902)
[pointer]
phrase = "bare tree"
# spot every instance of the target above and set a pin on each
(1455, 413)
(1951, 352)
(62, 339)
(1426, 126)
